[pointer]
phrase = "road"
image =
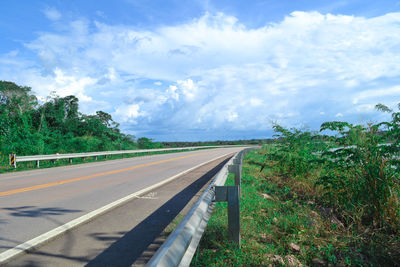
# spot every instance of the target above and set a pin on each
(35, 202)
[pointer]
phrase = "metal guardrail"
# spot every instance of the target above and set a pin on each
(15, 158)
(179, 248)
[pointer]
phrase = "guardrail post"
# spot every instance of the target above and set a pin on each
(13, 160)
(234, 214)
(236, 169)
(237, 160)
(231, 195)
(70, 160)
(37, 164)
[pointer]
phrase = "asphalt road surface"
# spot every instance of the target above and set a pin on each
(35, 202)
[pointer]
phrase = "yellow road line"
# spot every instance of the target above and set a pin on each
(35, 187)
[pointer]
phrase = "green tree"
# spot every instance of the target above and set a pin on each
(55, 126)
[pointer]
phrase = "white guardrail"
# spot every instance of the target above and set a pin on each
(14, 158)
(181, 244)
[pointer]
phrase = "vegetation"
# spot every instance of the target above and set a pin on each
(315, 199)
(28, 127)
(359, 178)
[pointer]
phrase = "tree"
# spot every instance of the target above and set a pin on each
(144, 143)
(56, 126)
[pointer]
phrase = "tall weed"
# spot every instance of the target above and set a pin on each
(359, 178)
(296, 151)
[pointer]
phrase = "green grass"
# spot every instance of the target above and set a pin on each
(290, 215)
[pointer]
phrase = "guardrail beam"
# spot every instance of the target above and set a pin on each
(57, 156)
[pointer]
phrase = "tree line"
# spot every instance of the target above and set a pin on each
(28, 127)
(218, 143)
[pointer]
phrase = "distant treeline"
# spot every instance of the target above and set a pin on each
(218, 143)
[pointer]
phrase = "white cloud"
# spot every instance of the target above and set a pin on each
(62, 84)
(232, 116)
(129, 113)
(377, 93)
(52, 13)
(365, 108)
(188, 89)
(255, 102)
(214, 73)
(172, 91)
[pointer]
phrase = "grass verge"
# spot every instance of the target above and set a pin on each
(283, 224)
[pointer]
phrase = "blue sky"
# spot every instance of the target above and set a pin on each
(207, 70)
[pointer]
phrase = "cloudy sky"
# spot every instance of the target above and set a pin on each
(207, 70)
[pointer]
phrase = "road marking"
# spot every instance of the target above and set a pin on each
(36, 187)
(10, 254)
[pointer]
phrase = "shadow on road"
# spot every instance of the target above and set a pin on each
(32, 211)
(128, 248)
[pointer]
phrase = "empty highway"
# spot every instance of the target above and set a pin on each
(32, 203)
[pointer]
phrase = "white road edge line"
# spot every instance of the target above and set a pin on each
(12, 253)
